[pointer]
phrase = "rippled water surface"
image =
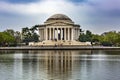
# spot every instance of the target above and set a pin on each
(60, 65)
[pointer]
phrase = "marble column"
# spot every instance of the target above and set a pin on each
(71, 33)
(61, 33)
(41, 33)
(75, 33)
(78, 32)
(68, 33)
(46, 34)
(50, 34)
(53, 34)
(57, 33)
(64, 33)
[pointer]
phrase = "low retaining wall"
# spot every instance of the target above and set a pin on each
(61, 48)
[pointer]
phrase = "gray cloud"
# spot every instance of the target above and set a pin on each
(95, 15)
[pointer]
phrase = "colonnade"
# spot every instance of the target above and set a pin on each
(59, 33)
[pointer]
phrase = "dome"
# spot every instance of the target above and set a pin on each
(59, 17)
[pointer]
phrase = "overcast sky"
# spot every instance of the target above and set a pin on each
(97, 16)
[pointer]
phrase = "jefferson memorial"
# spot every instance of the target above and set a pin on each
(57, 30)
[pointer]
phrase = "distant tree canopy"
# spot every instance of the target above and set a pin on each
(106, 39)
(10, 37)
(29, 34)
(6, 39)
(111, 37)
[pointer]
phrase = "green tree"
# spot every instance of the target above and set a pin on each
(95, 38)
(110, 38)
(118, 39)
(84, 37)
(29, 34)
(88, 36)
(6, 39)
(15, 34)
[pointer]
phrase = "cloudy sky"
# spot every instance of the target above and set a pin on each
(97, 16)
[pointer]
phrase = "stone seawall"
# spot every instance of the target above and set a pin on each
(61, 48)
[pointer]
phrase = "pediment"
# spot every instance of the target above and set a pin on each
(59, 24)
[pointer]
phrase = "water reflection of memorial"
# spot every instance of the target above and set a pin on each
(55, 64)
(58, 64)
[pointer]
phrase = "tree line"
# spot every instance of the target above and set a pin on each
(111, 38)
(10, 37)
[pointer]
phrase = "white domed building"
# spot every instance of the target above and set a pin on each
(58, 29)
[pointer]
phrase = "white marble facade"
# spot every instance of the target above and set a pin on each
(59, 27)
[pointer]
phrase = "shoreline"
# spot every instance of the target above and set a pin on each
(61, 48)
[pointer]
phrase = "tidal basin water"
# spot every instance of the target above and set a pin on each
(60, 65)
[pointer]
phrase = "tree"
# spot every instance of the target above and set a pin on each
(6, 39)
(29, 34)
(82, 38)
(110, 38)
(86, 37)
(118, 39)
(15, 34)
(95, 38)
